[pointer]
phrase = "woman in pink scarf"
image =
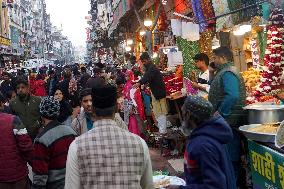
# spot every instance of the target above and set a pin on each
(134, 114)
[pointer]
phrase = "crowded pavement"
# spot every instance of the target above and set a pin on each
(142, 94)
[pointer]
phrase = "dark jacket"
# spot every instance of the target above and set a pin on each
(64, 86)
(28, 111)
(50, 155)
(154, 78)
(65, 111)
(16, 149)
(5, 87)
(207, 164)
(51, 85)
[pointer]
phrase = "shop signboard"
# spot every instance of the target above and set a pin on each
(267, 167)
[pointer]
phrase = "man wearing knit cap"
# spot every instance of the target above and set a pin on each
(51, 147)
(107, 156)
(207, 163)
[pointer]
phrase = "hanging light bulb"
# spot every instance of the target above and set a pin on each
(127, 48)
(148, 22)
(129, 42)
(245, 28)
(155, 55)
(142, 32)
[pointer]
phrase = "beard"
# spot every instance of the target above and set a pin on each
(22, 96)
(186, 128)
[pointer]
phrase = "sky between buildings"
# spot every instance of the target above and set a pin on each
(71, 15)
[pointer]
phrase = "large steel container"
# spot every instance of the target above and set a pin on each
(260, 114)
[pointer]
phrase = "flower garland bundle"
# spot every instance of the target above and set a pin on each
(274, 56)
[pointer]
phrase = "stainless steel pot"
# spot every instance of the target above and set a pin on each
(260, 114)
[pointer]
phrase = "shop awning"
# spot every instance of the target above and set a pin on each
(120, 10)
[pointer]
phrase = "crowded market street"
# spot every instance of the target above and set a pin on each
(142, 94)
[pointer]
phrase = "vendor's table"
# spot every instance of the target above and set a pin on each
(267, 165)
(177, 107)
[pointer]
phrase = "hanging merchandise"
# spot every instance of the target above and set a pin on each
(176, 27)
(208, 11)
(274, 56)
(198, 14)
(254, 53)
(234, 5)
(189, 50)
(175, 58)
(205, 42)
(181, 6)
(247, 14)
(190, 31)
(262, 42)
(221, 7)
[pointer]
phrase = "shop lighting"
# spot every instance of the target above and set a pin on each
(155, 55)
(129, 42)
(238, 32)
(142, 33)
(128, 48)
(245, 28)
(148, 22)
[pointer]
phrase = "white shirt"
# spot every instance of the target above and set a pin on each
(204, 76)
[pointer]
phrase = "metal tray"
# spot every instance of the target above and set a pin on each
(260, 137)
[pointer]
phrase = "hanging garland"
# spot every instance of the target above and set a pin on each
(208, 11)
(205, 42)
(189, 50)
(234, 5)
(221, 7)
(198, 14)
(274, 56)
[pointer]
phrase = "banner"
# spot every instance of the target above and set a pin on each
(267, 167)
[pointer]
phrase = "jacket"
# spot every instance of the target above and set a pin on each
(154, 78)
(79, 124)
(16, 149)
(51, 85)
(5, 87)
(207, 163)
(28, 111)
(50, 155)
(40, 88)
(227, 95)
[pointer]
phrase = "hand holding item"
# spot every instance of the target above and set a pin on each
(195, 85)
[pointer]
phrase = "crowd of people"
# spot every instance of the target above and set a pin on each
(81, 129)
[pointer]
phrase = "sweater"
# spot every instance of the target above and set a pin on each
(50, 155)
(207, 162)
(16, 149)
(154, 78)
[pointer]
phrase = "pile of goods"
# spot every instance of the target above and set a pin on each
(274, 57)
(266, 128)
(251, 79)
(173, 84)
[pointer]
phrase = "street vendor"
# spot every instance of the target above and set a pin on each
(227, 94)
(202, 84)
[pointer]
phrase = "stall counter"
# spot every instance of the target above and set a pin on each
(267, 166)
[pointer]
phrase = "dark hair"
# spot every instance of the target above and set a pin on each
(2, 98)
(145, 56)
(7, 74)
(51, 72)
(22, 81)
(10, 94)
(40, 77)
(106, 112)
(224, 52)
(202, 57)
(83, 69)
(85, 92)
